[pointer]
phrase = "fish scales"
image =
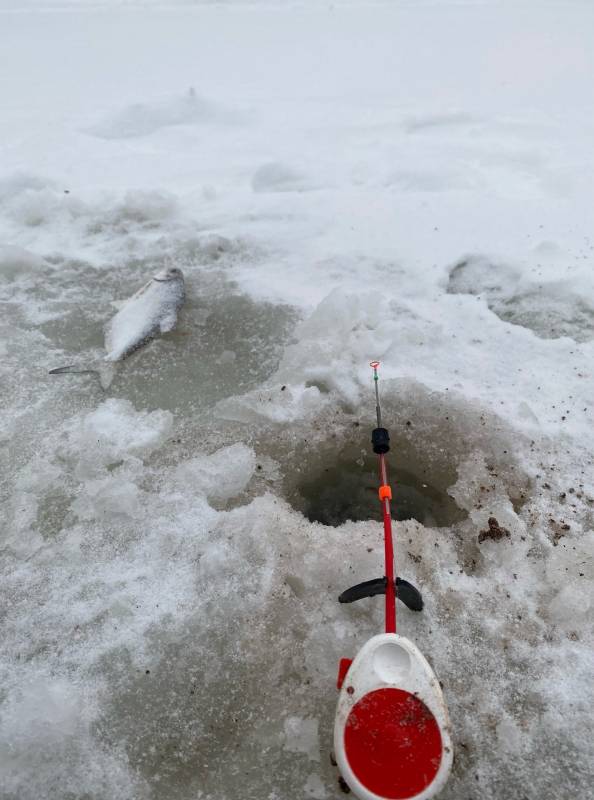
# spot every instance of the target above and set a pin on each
(152, 310)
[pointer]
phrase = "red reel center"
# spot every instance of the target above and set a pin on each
(393, 743)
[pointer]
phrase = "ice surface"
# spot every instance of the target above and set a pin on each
(301, 736)
(403, 181)
(550, 308)
(46, 729)
(16, 261)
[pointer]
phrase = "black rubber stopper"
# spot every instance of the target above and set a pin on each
(380, 439)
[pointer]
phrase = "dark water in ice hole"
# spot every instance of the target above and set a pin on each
(349, 491)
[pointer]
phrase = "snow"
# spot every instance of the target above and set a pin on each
(15, 261)
(301, 736)
(143, 119)
(115, 431)
(410, 182)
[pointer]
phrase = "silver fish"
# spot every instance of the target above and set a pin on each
(152, 310)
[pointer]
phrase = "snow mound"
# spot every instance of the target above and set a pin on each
(42, 207)
(142, 208)
(142, 119)
(275, 176)
(17, 182)
(34, 205)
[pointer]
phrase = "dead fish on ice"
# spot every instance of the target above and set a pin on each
(152, 310)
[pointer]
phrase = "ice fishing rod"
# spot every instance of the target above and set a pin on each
(392, 736)
(392, 588)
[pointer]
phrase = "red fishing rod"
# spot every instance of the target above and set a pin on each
(380, 439)
(391, 734)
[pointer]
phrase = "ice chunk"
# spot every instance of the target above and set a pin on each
(109, 497)
(292, 403)
(115, 431)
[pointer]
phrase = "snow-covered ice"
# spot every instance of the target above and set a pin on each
(404, 181)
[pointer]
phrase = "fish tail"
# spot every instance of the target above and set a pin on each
(104, 370)
(61, 370)
(73, 369)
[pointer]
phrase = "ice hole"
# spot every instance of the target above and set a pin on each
(331, 472)
(345, 487)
